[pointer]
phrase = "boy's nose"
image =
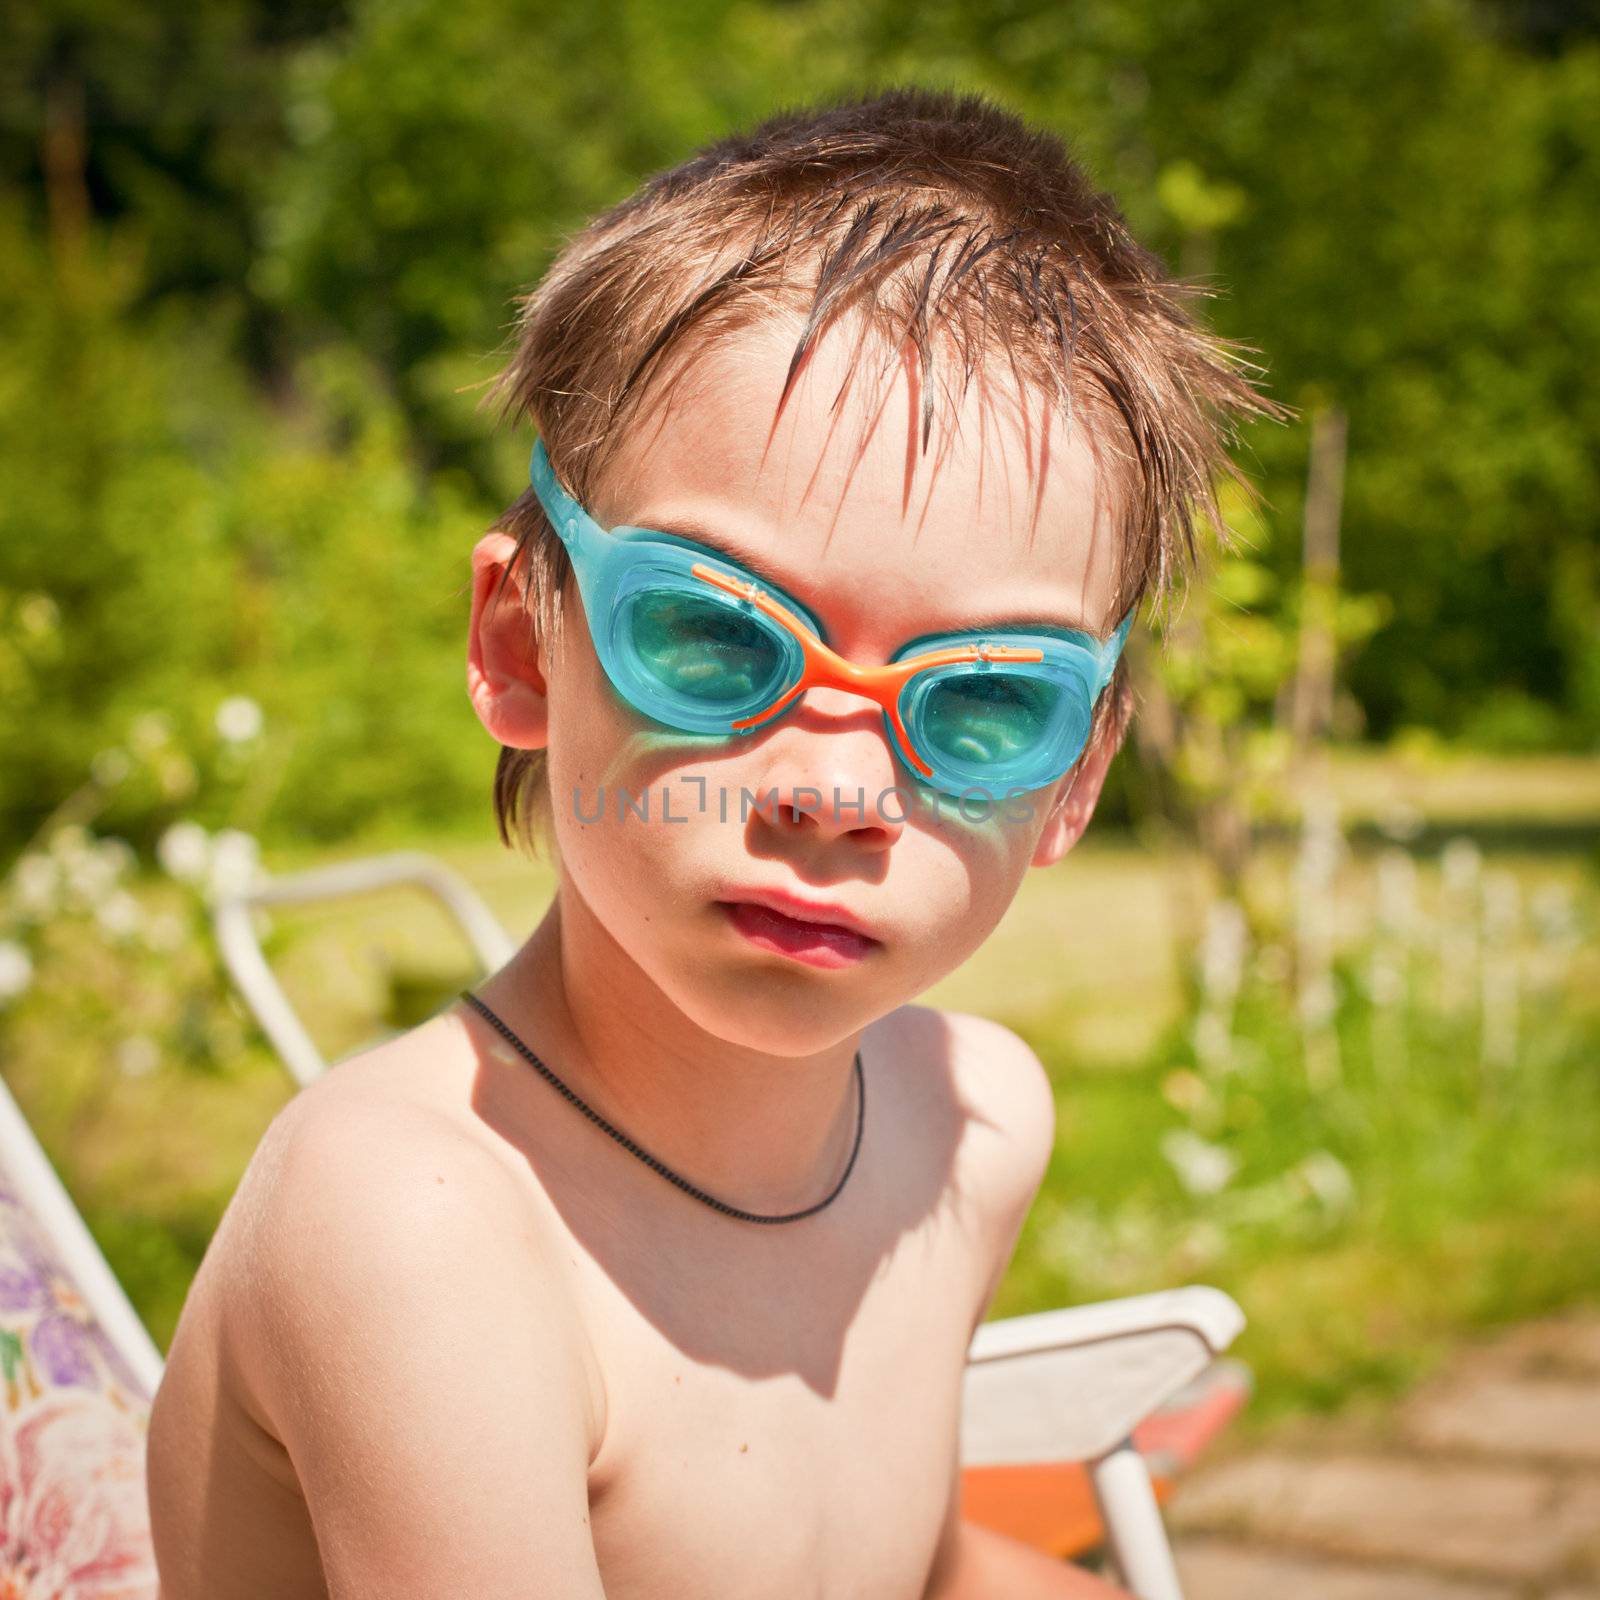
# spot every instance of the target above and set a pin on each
(833, 771)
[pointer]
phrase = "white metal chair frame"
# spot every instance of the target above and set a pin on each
(232, 918)
(1064, 1385)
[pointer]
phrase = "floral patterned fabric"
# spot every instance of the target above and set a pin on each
(74, 1521)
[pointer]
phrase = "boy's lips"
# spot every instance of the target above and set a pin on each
(821, 935)
(818, 944)
(798, 909)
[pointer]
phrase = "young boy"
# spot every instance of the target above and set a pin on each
(649, 1269)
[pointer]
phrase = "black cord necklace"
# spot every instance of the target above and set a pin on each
(660, 1166)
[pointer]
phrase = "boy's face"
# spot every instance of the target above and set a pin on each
(882, 543)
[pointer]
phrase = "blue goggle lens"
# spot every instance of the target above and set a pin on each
(704, 650)
(991, 718)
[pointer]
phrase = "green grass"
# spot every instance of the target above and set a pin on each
(1448, 788)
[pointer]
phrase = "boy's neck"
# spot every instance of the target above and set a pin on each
(764, 1132)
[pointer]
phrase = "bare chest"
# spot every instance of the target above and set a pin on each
(790, 1442)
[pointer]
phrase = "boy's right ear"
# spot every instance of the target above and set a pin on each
(505, 658)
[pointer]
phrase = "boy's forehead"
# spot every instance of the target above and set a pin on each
(1004, 516)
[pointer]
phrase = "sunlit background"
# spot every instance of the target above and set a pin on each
(1320, 993)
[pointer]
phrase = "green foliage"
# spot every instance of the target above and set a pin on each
(438, 154)
(179, 111)
(352, 597)
(111, 524)
(167, 544)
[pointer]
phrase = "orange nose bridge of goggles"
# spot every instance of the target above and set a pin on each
(828, 669)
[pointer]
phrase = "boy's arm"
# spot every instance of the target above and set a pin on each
(979, 1564)
(971, 1562)
(418, 1364)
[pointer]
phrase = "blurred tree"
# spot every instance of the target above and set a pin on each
(1544, 25)
(441, 152)
(109, 527)
(167, 543)
(163, 115)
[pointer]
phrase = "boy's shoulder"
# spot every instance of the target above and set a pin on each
(370, 1133)
(368, 1158)
(997, 1096)
(377, 1329)
(379, 1150)
(994, 1076)
(1000, 1066)
(367, 1204)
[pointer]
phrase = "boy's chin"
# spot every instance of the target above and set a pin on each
(776, 1010)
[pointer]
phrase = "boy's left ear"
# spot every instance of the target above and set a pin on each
(505, 666)
(1080, 793)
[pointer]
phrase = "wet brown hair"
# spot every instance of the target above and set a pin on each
(949, 223)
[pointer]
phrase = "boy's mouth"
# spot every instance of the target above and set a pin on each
(820, 935)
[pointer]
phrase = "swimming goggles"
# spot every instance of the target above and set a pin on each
(692, 640)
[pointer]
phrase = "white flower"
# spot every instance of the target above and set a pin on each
(91, 875)
(235, 862)
(1460, 861)
(149, 732)
(1222, 947)
(16, 970)
(165, 931)
(239, 719)
(1202, 1168)
(110, 766)
(138, 1056)
(117, 853)
(69, 841)
(36, 886)
(38, 614)
(1328, 1179)
(119, 915)
(1401, 822)
(184, 852)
